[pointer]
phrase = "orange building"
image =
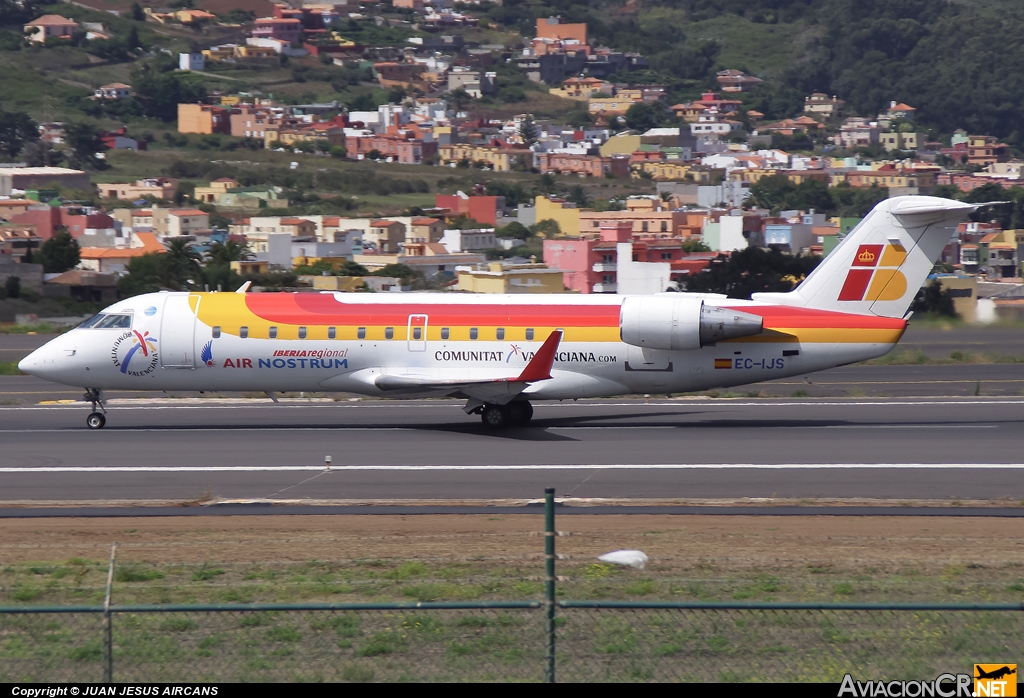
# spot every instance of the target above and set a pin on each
(554, 28)
(203, 118)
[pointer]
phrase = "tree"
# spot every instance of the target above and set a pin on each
(85, 143)
(40, 154)
(643, 117)
(460, 98)
(227, 252)
(159, 92)
(350, 268)
(13, 287)
(181, 263)
(514, 231)
(144, 275)
(60, 253)
(935, 300)
(528, 130)
(752, 270)
(548, 227)
(138, 14)
(16, 129)
(133, 41)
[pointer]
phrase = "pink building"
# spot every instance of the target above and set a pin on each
(589, 265)
(284, 29)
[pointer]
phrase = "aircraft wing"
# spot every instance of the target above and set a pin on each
(499, 390)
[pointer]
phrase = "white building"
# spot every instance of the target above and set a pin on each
(469, 240)
(191, 61)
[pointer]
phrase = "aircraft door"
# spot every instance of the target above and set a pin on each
(178, 333)
(417, 333)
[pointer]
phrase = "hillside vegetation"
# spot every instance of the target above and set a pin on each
(960, 63)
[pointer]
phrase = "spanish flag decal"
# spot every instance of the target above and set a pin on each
(875, 274)
(723, 363)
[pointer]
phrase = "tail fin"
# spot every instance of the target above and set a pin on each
(878, 268)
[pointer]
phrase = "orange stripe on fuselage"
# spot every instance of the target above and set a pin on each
(322, 309)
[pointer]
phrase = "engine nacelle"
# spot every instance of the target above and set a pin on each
(677, 322)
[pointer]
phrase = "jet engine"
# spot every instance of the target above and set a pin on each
(678, 322)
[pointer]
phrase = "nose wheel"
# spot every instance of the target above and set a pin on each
(96, 419)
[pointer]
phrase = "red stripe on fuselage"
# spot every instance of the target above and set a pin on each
(323, 309)
(789, 316)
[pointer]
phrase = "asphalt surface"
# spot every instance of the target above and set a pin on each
(945, 449)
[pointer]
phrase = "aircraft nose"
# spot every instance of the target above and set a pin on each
(34, 363)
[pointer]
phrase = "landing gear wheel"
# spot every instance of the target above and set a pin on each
(520, 412)
(495, 416)
(95, 420)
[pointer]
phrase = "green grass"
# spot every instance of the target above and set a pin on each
(9, 368)
(917, 357)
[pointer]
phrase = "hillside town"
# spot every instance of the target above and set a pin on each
(712, 174)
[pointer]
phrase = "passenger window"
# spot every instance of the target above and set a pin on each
(529, 334)
(216, 332)
(501, 333)
(273, 333)
(417, 333)
(332, 333)
(361, 333)
(389, 333)
(243, 332)
(445, 333)
(473, 333)
(302, 333)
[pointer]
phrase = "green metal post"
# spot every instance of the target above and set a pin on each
(549, 582)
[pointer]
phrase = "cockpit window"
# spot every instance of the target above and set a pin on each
(91, 322)
(114, 322)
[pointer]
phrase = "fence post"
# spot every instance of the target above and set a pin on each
(549, 583)
(108, 627)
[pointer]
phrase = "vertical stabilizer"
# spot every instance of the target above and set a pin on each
(878, 268)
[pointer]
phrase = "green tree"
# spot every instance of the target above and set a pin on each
(642, 116)
(548, 227)
(60, 253)
(13, 287)
(138, 14)
(159, 93)
(752, 270)
(528, 130)
(772, 192)
(85, 143)
(182, 263)
(16, 129)
(227, 252)
(934, 300)
(514, 230)
(350, 268)
(144, 274)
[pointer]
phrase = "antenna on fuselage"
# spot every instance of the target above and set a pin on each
(244, 288)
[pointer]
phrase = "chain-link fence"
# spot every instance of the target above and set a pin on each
(780, 642)
(594, 641)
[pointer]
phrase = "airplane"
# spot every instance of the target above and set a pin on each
(501, 353)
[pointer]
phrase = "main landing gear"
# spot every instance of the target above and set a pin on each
(95, 420)
(517, 413)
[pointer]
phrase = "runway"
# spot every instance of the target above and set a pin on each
(685, 450)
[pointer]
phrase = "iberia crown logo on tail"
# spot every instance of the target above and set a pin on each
(875, 274)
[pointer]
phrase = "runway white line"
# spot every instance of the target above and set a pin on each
(709, 402)
(341, 427)
(494, 468)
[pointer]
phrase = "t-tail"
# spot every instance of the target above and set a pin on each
(879, 267)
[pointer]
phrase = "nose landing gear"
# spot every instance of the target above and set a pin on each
(95, 420)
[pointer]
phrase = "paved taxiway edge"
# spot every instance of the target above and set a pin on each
(533, 510)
